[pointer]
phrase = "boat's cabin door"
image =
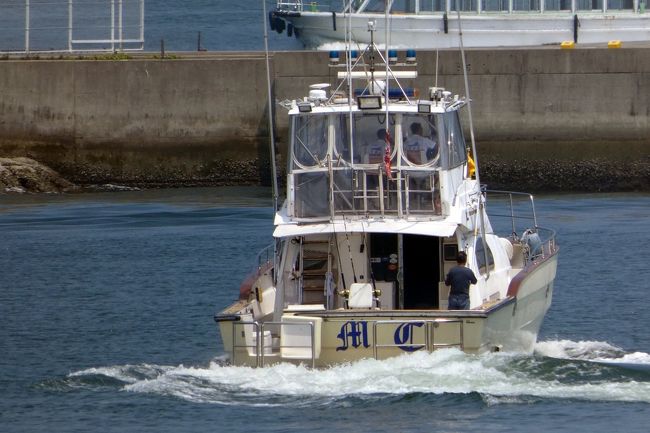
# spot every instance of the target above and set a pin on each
(407, 270)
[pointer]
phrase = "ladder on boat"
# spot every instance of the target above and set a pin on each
(315, 264)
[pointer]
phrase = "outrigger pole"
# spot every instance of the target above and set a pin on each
(481, 206)
(270, 108)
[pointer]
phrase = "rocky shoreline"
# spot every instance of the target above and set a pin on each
(25, 175)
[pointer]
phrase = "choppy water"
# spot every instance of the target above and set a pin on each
(107, 300)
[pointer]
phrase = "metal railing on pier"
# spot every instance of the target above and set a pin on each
(71, 26)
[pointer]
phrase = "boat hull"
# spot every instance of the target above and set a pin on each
(339, 336)
(318, 30)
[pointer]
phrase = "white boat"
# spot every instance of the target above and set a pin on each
(372, 224)
(432, 24)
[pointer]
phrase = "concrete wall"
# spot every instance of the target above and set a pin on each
(544, 118)
(138, 121)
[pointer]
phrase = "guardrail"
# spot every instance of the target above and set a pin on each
(539, 241)
(258, 348)
(365, 190)
(428, 344)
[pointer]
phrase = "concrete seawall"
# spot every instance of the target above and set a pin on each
(545, 119)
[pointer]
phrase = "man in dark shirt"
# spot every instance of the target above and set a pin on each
(460, 278)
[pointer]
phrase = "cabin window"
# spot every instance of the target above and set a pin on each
(376, 6)
(342, 148)
(526, 5)
(370, 138)
(463, 5)
(495, 5)
(403, 7)
(588, 5)
(432, 5)
(310, 143)
(620, 5)
(311, 192)
(354, 4)
(481, 263)
(557, 5)
(453, 151)
(420, 139)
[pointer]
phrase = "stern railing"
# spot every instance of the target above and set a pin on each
(538, 242)
(429, 343)
(258, 349)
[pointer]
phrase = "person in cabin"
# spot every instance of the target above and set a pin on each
(460, 277)
(375, 152)
(418, 148)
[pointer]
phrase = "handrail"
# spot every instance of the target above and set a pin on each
(460, 345)
(259, 346)
(539, 241)
(265, 256)
(280, 324)
(354, 190)
(510, 194)
(429, 335)
(256, 325)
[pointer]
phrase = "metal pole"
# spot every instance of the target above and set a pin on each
(27, 26)
(481, 206)
(270, 108)
(142, 24)
(112, 25)
(70, 25)
(119, 20)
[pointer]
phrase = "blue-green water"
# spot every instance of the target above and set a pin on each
(106, 305)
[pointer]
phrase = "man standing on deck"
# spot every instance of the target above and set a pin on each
(459, 278)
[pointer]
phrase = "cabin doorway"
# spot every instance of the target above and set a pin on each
(421, 271)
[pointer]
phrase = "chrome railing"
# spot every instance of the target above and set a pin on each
(258, 348)
(265, 257)
(364, 190)
(539, 242)
(428, 342)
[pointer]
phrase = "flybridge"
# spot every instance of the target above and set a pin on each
(376, 154)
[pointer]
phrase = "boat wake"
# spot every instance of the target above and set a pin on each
(595, 351)
(557, 370)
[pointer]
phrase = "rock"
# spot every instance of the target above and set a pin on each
(21, 175)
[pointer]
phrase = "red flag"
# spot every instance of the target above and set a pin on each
(387, 156)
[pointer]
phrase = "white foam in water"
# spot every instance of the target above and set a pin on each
(583, 350)
(594, 351)
(443, 372)
(125, 373)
